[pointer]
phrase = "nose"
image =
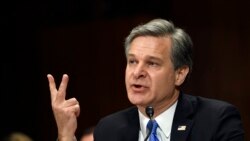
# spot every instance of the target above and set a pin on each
(139, 72)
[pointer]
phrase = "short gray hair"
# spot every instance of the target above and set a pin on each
(181, 51)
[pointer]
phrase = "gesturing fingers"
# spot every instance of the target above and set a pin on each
(65, 111)
(58, 95)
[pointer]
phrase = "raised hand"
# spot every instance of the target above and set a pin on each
(65, 111)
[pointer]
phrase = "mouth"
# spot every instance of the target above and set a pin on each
(138, 87)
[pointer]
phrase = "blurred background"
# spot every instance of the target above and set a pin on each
(85, 40)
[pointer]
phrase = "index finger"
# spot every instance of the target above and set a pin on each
(52, 87)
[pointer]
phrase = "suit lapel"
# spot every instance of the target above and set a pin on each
(182, 122)
(180, 130)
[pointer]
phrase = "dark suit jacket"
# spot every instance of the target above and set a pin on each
(205, 120)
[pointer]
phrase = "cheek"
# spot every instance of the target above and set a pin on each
(128, 71)
(127, 75)
(162, 80)
(162, 87)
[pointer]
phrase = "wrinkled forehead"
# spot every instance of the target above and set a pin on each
(150, 46)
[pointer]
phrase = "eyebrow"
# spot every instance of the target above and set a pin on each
(131, 55)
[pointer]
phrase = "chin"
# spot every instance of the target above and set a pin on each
(136, 100)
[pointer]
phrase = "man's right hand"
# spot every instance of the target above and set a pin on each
(65, 111)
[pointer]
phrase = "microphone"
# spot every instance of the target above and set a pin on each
(150, 113)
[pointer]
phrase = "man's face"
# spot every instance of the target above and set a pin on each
(150, 75)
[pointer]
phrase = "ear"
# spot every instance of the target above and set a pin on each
(180, 75)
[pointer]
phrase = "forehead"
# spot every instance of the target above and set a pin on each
(150, 46)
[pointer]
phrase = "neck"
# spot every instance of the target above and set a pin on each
(161, 106)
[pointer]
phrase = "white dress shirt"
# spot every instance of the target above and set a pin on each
(164, 121)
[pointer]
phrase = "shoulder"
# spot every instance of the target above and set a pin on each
(215, 105)
(121, 114)
(214, 111)
(118, 118)
(210, 104)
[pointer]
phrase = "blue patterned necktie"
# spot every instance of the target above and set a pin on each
(152, 125)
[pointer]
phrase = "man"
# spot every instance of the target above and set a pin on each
(159, 59)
